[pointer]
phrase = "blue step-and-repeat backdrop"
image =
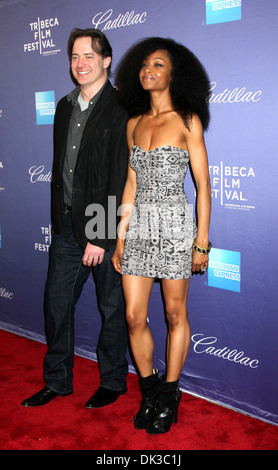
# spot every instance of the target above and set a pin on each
(233, 357)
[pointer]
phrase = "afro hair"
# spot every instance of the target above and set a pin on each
(189, 88)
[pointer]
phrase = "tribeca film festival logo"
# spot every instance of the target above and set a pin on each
(203, 345)
(42, 40)
(44, 244)
(224, 269)
(228, 185)
(45, 107)
(107, 21)
(221, 11)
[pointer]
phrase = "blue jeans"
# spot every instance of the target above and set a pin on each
(65, 281)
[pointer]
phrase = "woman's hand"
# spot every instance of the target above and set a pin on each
(117, 258)
(199, 262)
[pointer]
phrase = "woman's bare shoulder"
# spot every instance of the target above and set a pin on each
(132, 123)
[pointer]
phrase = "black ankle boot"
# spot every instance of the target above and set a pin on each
(167, 408)
(149, 389)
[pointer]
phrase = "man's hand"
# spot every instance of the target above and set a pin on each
(93, 255)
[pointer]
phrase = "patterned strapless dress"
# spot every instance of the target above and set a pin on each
(162, 228)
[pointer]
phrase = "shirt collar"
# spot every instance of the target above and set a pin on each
(73, 96)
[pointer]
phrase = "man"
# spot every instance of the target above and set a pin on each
(89, 169)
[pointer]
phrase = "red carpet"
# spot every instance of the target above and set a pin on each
(64, 424)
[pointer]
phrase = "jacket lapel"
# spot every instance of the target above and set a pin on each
(95, 116)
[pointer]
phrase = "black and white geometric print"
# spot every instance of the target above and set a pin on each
(162, 228)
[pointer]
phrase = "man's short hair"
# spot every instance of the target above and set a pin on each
(100, 43)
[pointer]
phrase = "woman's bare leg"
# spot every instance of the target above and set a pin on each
(178, 340)
(137, 291)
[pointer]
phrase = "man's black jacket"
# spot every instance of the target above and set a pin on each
(100, 171)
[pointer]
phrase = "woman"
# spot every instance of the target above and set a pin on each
(165, 89)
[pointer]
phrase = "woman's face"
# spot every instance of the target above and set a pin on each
(156, 71)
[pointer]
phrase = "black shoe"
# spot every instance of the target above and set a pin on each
(166, 415)
(149, 388)
(104, 397)
(145, 414)
(169, 398)
(43, 397)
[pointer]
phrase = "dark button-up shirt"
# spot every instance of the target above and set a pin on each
(80, 114)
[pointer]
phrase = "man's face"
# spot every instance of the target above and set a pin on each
(88, 67)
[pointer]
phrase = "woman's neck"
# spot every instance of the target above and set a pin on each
(160, 103)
